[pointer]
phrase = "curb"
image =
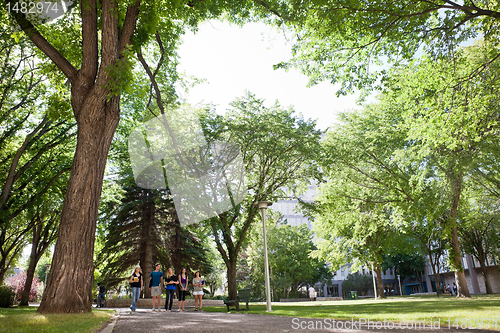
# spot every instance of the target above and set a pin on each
(111, 324)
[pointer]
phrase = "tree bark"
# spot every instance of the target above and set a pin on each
(44, 234)
(456, 189)
(380, 286)
(29, 278)
(232, 287)
(487, 283)
(69, 288)
(435, 271)
(37, 229)
(147, 246)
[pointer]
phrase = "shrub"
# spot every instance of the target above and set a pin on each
(17, 282)
(6, 296)
(359, 282)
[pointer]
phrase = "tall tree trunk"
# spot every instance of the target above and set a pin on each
(435, 271)
(32, 265)
(456, 189)
(69, 288)
(177, 252)
(232, 287)
(380, 283)
(487, 283)
(147, 247)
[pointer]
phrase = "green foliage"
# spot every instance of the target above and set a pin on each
(359, 282)
(279, 151)
(354, 43)
(290, 262)
(6, 296)
(407, 265)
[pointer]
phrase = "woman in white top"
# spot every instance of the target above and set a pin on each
(198, 289)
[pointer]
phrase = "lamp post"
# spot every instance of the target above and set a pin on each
(399, 280)
(263, 206)
(374, 285)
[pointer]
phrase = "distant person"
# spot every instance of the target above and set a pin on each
(312, 293)
(455, 289)
(198, 283)
(136, 283)
(101, 295)
(170, 283)
(183, 284)
(156, 279)
(448, 289)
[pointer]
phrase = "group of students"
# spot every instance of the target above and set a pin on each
(448, 290)
(171, 281)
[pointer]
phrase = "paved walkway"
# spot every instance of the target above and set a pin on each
(221, 322)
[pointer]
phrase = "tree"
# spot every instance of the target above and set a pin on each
(451, 119)
(145, 229)
(361, 208)
(32, 157)
(96, 64)
(278, 150)
(354, 42)
(44, 234)
(290, 260)
(359, 282)
(479, 229)
(407, 265)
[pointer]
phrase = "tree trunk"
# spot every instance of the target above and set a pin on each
(232, 287)
(485, 275)
(456, 189)
(380, 283)
(32, 265)
(69, 288)
(177, 253)
(435, 271)
(147, 246)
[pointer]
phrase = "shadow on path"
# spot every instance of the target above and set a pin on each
(220, 322)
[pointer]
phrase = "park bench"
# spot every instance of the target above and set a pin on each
(243, 296)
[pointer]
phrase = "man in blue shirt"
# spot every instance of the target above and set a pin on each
(156, 283)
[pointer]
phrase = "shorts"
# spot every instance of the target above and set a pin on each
(155, 291)
(196, 293)
(182, 295)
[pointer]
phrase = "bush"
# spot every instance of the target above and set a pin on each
(358, 282)
(219, 297)
(6, 296)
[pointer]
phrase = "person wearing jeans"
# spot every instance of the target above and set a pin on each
(136, 284)
(170, 281)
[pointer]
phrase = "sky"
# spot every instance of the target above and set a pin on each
(233, 59)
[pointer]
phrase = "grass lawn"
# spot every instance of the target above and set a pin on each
(473, 312)
(25, 319)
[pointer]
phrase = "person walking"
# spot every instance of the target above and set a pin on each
(156, 281)
(312, 293)
(198, 290)
(100, 295)
(183, 283)
(170, 283)
(136, 283)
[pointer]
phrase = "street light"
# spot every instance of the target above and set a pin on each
(374, 285)
(263, 206)
(399, 279)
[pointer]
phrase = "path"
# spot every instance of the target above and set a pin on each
(221, 322)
